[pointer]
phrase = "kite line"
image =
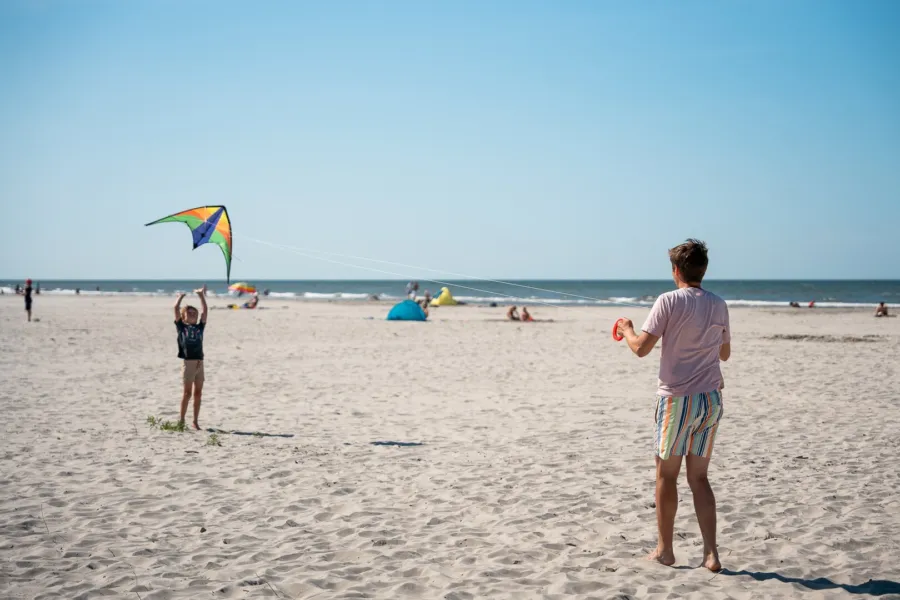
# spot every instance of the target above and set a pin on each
(310, 253)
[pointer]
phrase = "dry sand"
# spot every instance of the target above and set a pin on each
(534, 477)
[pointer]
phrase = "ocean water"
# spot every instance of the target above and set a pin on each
(564, 292)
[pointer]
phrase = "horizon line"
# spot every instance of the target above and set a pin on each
(482, 279)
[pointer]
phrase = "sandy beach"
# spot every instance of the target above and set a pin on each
(465, 457)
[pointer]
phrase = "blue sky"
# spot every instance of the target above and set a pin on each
(496, 139)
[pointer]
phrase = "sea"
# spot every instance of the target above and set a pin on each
(825, 294)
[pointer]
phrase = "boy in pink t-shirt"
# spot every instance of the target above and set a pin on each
(696, 336)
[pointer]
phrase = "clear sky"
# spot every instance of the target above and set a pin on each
(496, 139)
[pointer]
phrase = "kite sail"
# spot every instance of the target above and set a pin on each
(208, 224)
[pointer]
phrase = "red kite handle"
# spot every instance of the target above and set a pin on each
(615, 332)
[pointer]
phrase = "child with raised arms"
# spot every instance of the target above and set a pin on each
(190, 325)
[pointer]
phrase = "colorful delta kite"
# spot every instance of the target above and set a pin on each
(208, 224)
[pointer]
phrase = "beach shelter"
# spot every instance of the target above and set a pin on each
(242, 287)
(445, 298)
(407, 310)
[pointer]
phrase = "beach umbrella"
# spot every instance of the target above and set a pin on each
(242, 287)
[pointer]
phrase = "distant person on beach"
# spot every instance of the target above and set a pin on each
(427, 296)
(28, 299)
(513, 314)
(881, 310)
(795, 305)
(526, 316)
(251, 304)
(412, 289)
(695, 332)
(190, 326)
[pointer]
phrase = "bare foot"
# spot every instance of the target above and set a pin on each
(196, 426)
(663, 558)
(711, 562)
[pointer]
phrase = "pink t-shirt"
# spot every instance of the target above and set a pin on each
(693, 325)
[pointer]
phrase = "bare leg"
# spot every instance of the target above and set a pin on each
(198, 394)
(666, 507)
(705, 506)
(185, 398)
(29, 315)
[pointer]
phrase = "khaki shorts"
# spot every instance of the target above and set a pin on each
(192, 371)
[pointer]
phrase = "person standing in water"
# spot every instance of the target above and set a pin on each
(696, 335)
(28, 299)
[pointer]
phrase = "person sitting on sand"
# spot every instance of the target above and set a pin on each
(190, 326)
(254, 301)
(423, 304)
(881, 310)
(512, 314)
(795, 305)
(526, 316)
(694, 326)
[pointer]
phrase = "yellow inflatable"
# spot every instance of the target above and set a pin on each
(445, 298)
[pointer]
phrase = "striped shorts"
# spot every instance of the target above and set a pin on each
(687, 424)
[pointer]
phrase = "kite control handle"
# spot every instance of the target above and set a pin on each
(615, 331)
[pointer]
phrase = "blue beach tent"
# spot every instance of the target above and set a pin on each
(407, 310)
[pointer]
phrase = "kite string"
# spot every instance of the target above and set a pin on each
(464, 276)
(385, 272)
(307, 253)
